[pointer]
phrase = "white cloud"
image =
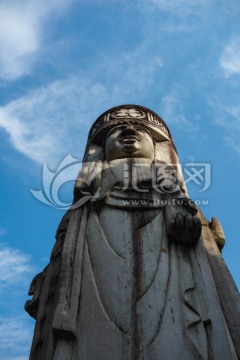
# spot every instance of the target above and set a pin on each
(15, 337)
(15, 329)
(14, 266)
(230, 58)
(233, 141)
(52, 121)
(21, 32)
(35, 145)
(2, 231)
(131, 72)
(182, 7)
(173, 112)
(231, 125)
(47, 124)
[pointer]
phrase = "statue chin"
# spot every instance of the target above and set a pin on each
(130, 152)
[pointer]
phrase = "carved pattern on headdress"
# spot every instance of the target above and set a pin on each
(124, 114)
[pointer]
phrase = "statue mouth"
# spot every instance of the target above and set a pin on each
(129, 139)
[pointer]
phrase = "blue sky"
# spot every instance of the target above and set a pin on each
(63, 63)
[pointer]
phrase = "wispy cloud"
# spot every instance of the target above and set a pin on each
(14, 266)
(230, 58)
(21, 33)
(181, 7)
(231, 124)
(15, 337)
(45, 124)
(173, 110)
(132, 72)
(2, 231)
(50, 122)
(16, 329)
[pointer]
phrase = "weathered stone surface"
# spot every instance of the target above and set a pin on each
(131, 276)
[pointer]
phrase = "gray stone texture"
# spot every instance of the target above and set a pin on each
(136, 272)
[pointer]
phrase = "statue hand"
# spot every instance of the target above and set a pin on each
(184, 228)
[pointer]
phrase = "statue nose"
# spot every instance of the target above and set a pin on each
(129, 131)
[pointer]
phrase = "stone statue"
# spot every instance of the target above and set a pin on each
(136, 272)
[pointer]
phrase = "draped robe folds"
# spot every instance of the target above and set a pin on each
(124, 290)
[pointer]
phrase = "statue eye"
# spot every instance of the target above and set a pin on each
(116, 129)
(142, 129)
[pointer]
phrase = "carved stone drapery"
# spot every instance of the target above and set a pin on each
(131, 276)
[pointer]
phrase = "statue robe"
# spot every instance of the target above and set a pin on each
(125, 292)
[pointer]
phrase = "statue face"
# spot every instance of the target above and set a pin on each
(129, 141)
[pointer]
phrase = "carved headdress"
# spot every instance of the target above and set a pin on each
(131, 114)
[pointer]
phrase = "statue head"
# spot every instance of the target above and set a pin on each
(128, 131)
